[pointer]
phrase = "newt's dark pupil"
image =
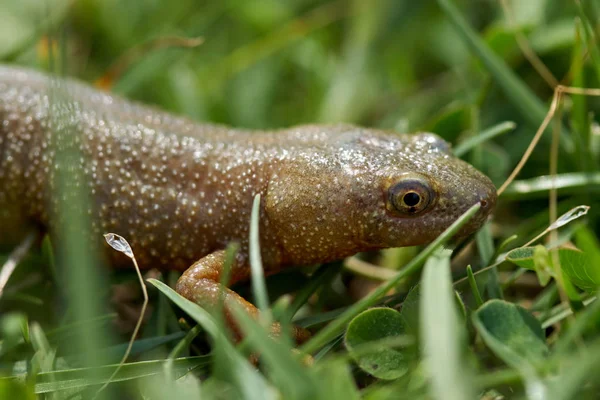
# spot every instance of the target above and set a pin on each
(411, 199)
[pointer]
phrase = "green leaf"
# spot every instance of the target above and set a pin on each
(522, 256)
(372, 325)
(588, 243)
(516, 337)
(578, 267)
(512, 333)
(442, 334)
(533, 258)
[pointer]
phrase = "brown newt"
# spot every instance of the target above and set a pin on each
(180, 191)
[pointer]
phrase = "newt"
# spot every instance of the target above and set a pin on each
(181, 191)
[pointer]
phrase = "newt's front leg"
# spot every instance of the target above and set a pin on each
(200, 283)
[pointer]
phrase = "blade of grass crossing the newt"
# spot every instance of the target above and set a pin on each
(77, 251)
(336, 326)
(531, 108)
(259, 288)
(196, 312)
(441, 332)
(249, 383)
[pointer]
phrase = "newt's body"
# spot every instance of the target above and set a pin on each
(180, 191)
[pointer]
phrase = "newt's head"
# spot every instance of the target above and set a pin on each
(364, 189)
(424, 189)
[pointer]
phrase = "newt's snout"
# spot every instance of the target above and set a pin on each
(485, 194)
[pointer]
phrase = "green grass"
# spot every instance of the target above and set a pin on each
(513, 325)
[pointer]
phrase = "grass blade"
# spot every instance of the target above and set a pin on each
(441, 332)
(568, 182)
(467, 145)
(80, 378)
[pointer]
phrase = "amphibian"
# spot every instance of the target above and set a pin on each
(180, 191)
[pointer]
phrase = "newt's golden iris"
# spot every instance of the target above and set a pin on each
(410, 196)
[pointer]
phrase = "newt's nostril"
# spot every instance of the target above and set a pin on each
(483, 203)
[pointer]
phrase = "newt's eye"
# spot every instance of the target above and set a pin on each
(410, 196)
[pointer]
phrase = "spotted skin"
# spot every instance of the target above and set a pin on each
(180, 191)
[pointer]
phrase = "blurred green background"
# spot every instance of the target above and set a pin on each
(404, 65)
